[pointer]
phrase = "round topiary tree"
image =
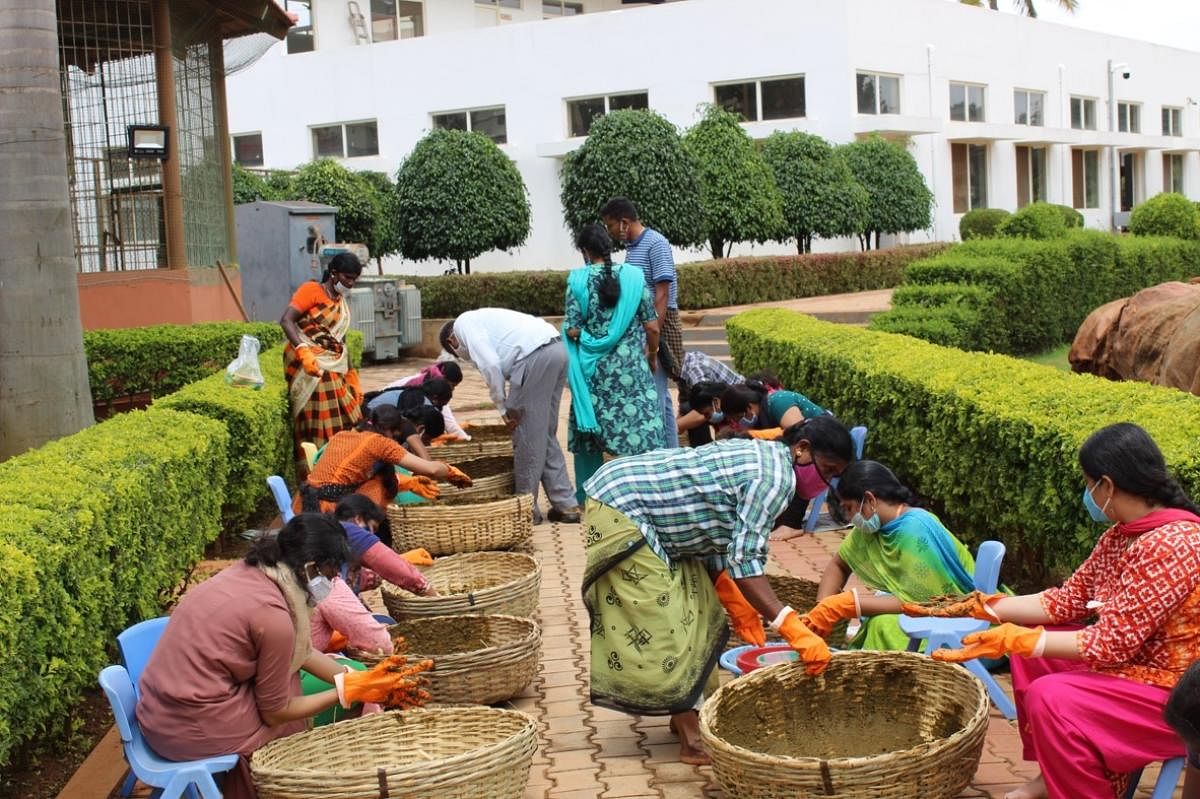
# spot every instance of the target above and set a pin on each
(820, 195)
(737, 192)
(458, 196)
(385, 233)
(899, 199)
(328, 182)
(635, 154)
(1034, 221)
(981, 223)
(1166, 214)
(1070, 216)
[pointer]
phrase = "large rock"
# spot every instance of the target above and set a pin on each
(1153, 336)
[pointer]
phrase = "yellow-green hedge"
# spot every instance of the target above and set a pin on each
(94, 529)
(992, 439)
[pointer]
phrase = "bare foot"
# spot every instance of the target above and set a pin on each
(784, 533)
(693, 755)
(1034, 789)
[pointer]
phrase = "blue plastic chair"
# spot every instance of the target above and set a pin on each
(136, 645)
(170, 778)
(283, 498)
(1164, 786)
(949, 633)
(859, 436)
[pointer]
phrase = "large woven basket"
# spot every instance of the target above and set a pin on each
(801, 595)
(487, 441)
(473, 583)
(874, 725)
(451, 529)
(432, 753)
(492, 478)
(477, 660)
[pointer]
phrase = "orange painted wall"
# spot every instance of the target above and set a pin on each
(156, 296)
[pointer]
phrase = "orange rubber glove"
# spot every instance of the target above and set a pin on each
(390, 682)
(444, 438)
(308, 359)
(458, 478)
(830, 610)
(418, 557)
(747, 622)
(1005, 639)
(770, 434)
(425, 487)
(814, 653)
(973, 605)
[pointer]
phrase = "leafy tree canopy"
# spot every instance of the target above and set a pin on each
(899, 199)
(821, 197)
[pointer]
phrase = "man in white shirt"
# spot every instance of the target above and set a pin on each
(524, 363)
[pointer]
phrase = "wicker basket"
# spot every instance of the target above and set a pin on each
(477, 660)
(432, 753)
(451, 529)
(492, 478)
(474, 449)
(473, 583)
(801, 595)
(875, 725)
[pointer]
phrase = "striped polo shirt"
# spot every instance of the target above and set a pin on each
(652, 253)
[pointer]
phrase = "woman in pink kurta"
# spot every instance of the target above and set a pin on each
(1090, 696)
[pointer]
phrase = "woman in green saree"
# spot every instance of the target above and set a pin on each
(894, 547)
(611, 334)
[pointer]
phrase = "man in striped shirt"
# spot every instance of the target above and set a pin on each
(675, 539)
(649, 250)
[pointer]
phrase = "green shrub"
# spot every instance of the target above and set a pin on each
(95, 529)
(899, 199)
(705, 284)
(1034, 221)
(1166, 214)
(820, 195)
(981, 223)
(1071, 217)
(994, 440)
(259, 424)
(951, 325)
(164, 358)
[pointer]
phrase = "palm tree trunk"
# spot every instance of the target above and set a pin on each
(44, 392)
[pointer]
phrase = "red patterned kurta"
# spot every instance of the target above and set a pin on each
(1148, 625)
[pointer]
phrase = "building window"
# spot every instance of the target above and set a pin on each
(1028, 107)
(1130, 180)
(499, 3)
(1173, 172)
(1083, 113)
(396, 19)
(878, 94)
(553, 9)
(968, 162)
(491, 122)
(777, 98)
(1129, 118)
(583, 112)
(1172, 121)
(966, 102)
(1031, 175)
(346, 140)
(301, 37)
(248, 149)
(1085, 178)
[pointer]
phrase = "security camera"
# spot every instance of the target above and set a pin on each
(1126, 73)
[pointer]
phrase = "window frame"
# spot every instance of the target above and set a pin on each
(345, 139)
(1132, 114)
(967, 87)
(396, 20)
(1084, 104)
(758, 94)
(562, 5)
(986, 187)
(1029, 93)
(607, 98)
(1083, 178)
(470, 112)
(1026, 183)
(875, 76)
(1171, 175)
(1175, 115)
(312, 27)
(233, 137)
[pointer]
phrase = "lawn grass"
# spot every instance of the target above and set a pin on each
(1056, 358)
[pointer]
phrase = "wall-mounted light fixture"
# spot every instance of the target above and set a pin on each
(148, 141)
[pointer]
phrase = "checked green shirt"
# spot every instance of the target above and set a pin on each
(716, 503)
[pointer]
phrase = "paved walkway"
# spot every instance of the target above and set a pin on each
(857, 302)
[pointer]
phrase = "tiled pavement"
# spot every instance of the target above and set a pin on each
(590, 752)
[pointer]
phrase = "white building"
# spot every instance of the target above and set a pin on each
(999, 110)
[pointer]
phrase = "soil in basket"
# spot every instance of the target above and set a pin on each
(444, 639)
(820, 737)
(486, 467)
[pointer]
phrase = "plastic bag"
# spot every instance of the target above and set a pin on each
(244, 371)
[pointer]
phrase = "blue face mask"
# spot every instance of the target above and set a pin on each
(716, 417)
(1094, 510)
(868, 526)
(748, 421)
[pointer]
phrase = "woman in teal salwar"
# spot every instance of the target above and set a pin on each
(611, 333)
(894, 547)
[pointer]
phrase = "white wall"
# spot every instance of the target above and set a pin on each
(676, 51)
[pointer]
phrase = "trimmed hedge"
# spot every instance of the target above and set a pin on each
(1035, 221)
(164, 358)
(1166, 214)
(94, 529)
(704, 284)
(994, 439)
(1038, 292)
(981, 223)
(259, 425)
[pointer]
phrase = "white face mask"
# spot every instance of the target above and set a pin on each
(340, 287)
(319, 587)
